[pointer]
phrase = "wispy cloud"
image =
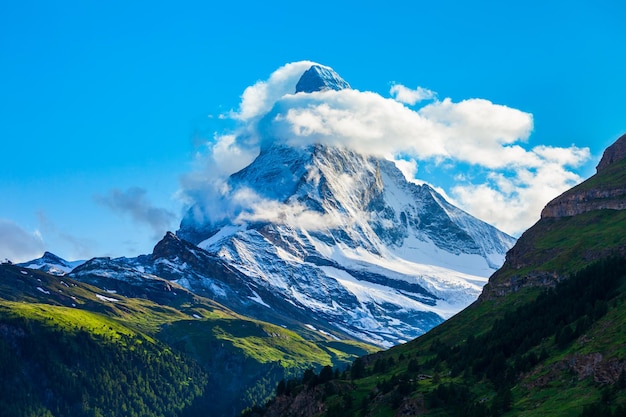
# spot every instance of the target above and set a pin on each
(409, 96)
(516, 181)
(134, 203)
(17, 244)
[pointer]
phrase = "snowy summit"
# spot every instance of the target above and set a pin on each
(320, 78)
(344, 236)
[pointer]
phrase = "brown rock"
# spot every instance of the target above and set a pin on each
(573, 203)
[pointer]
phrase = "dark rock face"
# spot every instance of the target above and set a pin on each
(171, 247)
(613, 153)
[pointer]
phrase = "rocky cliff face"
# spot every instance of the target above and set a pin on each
(578, 202)
(588, 197)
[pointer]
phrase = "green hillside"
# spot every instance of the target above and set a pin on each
(565, 245)
(57, 361)
(71, 349)
(546, 338)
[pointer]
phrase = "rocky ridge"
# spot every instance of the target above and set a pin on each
(583, 198)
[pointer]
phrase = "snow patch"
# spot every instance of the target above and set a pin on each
(256, 298)
(218, 238)
(104, 298)
(325, 333)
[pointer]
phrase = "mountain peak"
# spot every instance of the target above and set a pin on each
(168, 246)
(320, 78)
(614, 153)
(52, 264)
(51, 257)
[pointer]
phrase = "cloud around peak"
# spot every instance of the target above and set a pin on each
(514, 181)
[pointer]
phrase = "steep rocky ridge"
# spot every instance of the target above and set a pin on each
(320, 78)
(572, 231)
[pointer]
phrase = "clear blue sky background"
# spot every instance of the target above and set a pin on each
(99, 96)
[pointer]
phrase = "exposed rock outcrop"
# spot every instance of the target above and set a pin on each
(590, 196)
(578, 202)
(593, 365)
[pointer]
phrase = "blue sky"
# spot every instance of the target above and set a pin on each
(104, 106)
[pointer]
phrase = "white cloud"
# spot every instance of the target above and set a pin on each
(255, 208)
(409, 168)
(17, 244)
(408, 96)
(514, 202)
(473, 132)
(259, 98)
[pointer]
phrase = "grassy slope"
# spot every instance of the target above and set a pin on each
(566, 245)
(64, 361)
(245, 358)
(611, 176)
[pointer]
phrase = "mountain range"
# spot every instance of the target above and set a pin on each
(327, 238)
(324, 276)
(316, 255)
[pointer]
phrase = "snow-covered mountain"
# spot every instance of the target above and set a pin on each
(327, 238)
(319, 78)
(52, 264)
(346, 237)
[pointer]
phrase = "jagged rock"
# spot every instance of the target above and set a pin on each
(578, 202)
